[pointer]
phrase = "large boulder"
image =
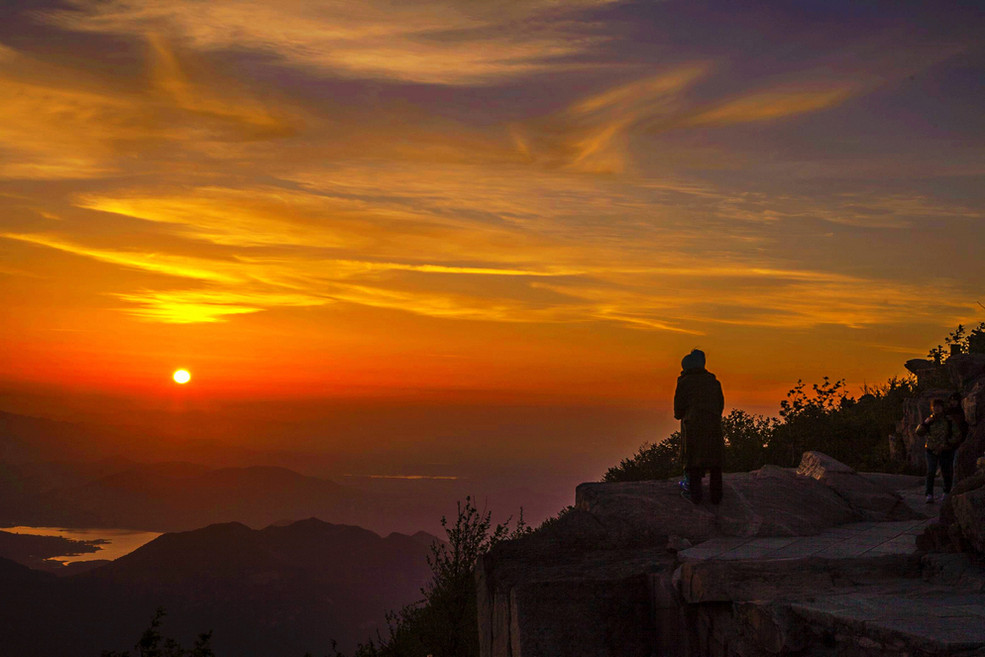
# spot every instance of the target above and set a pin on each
(929, 373)
(644, 512)
(864, 496)
(961, 525)
(969, 452)
(969, 514)
(917, 365)
(973, 404)
(774, 501)
(818, 465)
(771, 501)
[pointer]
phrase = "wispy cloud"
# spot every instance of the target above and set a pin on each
(436, 41)
(58, 122)
(593, 134)
(768, 105)
(179, 266)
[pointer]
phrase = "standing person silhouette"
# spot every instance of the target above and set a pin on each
(940, 440)
(698, 404)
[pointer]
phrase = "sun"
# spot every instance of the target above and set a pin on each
(181, 376)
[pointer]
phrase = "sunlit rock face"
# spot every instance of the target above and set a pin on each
(792, 562)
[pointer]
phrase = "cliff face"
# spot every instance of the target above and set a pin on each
(816, 561)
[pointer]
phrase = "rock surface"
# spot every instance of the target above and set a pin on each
(771, 501)
(820, 562)
(872, 501)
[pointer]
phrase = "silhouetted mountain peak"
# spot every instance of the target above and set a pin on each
(214, 551)
(11, 571)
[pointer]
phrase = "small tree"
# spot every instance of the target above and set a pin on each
(445, 623)
(747, 440)
(651, 461)
(966, 341)
(154, 644)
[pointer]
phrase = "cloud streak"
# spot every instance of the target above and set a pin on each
(770, 105)
(435, 42)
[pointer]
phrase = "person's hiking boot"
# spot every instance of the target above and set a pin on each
(930, 499)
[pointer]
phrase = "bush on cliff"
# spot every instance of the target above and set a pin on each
(854, 431)
(154, 644)
(747, 440)
(966, 342)
(445, 623)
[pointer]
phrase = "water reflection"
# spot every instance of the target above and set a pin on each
(115, 542)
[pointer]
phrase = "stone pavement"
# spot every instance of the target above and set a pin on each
(860, 539)
(929, 619)
(849, 541)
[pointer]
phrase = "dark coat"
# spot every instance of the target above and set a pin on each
(959, 426)
(698, 404)
(939, 433)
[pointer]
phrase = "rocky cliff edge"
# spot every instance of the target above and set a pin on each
(821, 560)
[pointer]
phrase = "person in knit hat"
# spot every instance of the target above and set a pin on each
(699, 404)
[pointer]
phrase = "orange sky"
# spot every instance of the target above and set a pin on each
(523, 202)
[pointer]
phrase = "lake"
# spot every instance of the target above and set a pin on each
(118, 541)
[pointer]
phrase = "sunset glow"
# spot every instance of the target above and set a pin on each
(182, 376)
(529, 202)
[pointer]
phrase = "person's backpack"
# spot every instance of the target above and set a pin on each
(959, 429)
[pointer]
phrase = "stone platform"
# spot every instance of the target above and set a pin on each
(818, 561)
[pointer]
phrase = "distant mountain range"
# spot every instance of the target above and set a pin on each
(50, 476)
(182, 496)
(73, 474)
(37, 489)
(279, 591)
(24, 438)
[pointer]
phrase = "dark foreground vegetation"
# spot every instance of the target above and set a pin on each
(153, 643)
(445, 621)
(442, 623)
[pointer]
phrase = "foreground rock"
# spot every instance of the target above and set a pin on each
(818, 561)
(772, 501)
